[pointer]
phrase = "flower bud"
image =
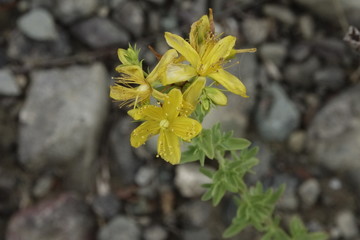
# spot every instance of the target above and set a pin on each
(216, 96)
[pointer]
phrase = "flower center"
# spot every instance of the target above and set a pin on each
(164, 124)
(143, 88)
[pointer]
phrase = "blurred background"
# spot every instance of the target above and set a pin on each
(67, 170)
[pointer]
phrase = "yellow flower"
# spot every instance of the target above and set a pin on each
(191, 96)
(132, 87)
(165, 120)
(206, 56)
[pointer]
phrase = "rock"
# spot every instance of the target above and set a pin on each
(155, 232)
(43, 186)
(273, 52)
(288, 201)
(301, 74)
(130, 15)
(10, 191)
(190, 11)
(120, 228)
(327, 10)
(334, 135)
(29, 51)
(123, 164)
(347, 225)
(106, 206)
(64, 217)
(256, 30)
(277, 116)
(332, 78)
(309, 192)
(202, 234)
(297, 141)
(263, 169)
(60, 122)
(99, 32)
(306, 27)
(188, 180)
(68, 11)
(8, 85)
(300, 52)
(145, 175)
(233, 117)
(38, 24)
(195, 214)
(280, 13)
(332, 51)
(3, 57)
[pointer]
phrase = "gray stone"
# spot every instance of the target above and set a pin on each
(347, 225)
(190, 11)
(8, 85)
(120, 228)
(277, 116)
(38, 24)
(68, 11)
(256, 30)
(263, 169)
(301, 74)
(130, 15)
(280, 13)
(297, 141)
(289, 200)
(332, 78)
(31, 52)
(145, 175)
(309, 192)
(334, 135)
(61, 120)
(329, 10)
(188, 180)
(63, 217)
(306, 26)
(155, 232)
(195, 214)
(273, 52)
(43, 186)
(300, 52)
(10, 191)
(100, 32)
(191, 234)
(106, 206)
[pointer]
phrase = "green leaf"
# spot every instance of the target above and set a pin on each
(205, 143)
(249, 153)
(191, 155)
(207, 172)
(235, 228)
(218, 194)
(236, 144)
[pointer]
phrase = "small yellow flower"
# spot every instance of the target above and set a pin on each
(132, 87)
(191, 96)
(206, 55)
(165, 120)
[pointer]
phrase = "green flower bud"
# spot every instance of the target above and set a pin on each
(216, 96)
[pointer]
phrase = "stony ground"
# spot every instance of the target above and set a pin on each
(67, 170)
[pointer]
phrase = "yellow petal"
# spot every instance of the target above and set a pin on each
(178, 73)
(199, 33)
(160, 68)
(121, 54)
(169, 147)
(158, 95)
(120, 93)
(216, 96)
(172, 104)
(132, 74)
(183, 47)
(214, 56)
(229, 81)
(147, 112)
(193, 92)
(185, 128)
(143, 132)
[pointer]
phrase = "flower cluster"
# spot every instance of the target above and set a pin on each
(178, 83)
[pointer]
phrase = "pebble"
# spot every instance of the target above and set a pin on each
(256, 30)
(145, 175)
(188, 180)
(8, 85)
(307, 26)
(195, 214)
(273, 52)
(155, 232)
(63, 217)
(297, 141)
(60, 123)
(281, 13)
(346, 222)
(301, 74)
(100, 32)
(309, 192)
(120, 228)
(300, 52)
(332, 78)
(106, 206)
(69, 11)
(191, 234)
(43, 186)
(38, 24)
(277, 116)
(130, 15)
(288, 201)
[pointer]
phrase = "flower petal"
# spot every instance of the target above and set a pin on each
(230, 82)
(160, 68)
(131, 74)
(147, 112)
(169, 147)
(215, 55)
(143, 132)
(199, 32)
(121, 93)
(172, 104)
(178, 73)
(185, 128)
(121, 54)
(183, 47)
(193, 92)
